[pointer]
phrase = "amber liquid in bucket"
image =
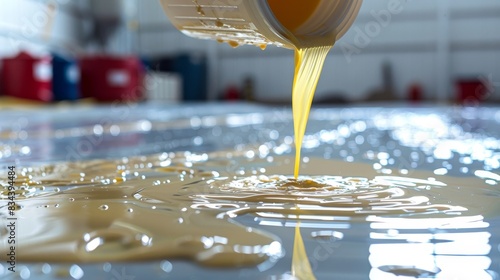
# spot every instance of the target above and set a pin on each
(293, 13)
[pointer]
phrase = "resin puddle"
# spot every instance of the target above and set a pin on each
(183, 205)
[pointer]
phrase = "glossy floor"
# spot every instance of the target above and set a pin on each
(383, 193)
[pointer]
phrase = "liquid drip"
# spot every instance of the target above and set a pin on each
(310, 55)
(308, 67)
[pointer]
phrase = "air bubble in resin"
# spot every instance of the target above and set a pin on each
(104, 207)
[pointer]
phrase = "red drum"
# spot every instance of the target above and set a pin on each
(471, 91)
(108, 78)
(28, 77)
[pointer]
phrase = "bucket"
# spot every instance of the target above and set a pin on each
(108, 78)
(27, 77)
(65, 83)
(470, 91)
(257, 22)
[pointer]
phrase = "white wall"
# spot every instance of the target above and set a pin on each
(431, 42)
(39, 25)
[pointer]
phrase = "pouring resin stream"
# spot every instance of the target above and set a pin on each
(310, 55)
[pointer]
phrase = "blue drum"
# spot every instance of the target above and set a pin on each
(66, 78)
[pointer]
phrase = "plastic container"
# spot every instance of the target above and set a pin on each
(108, 78)
(163, 87)
(415, 93)
(27, 77)
(253, 22)
(66, 80)
(470, 91)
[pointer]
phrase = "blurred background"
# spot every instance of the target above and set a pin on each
(442, 51)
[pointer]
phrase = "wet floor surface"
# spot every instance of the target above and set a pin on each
(386, 192)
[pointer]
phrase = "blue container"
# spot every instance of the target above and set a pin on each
(193, 70)
(66, 78)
